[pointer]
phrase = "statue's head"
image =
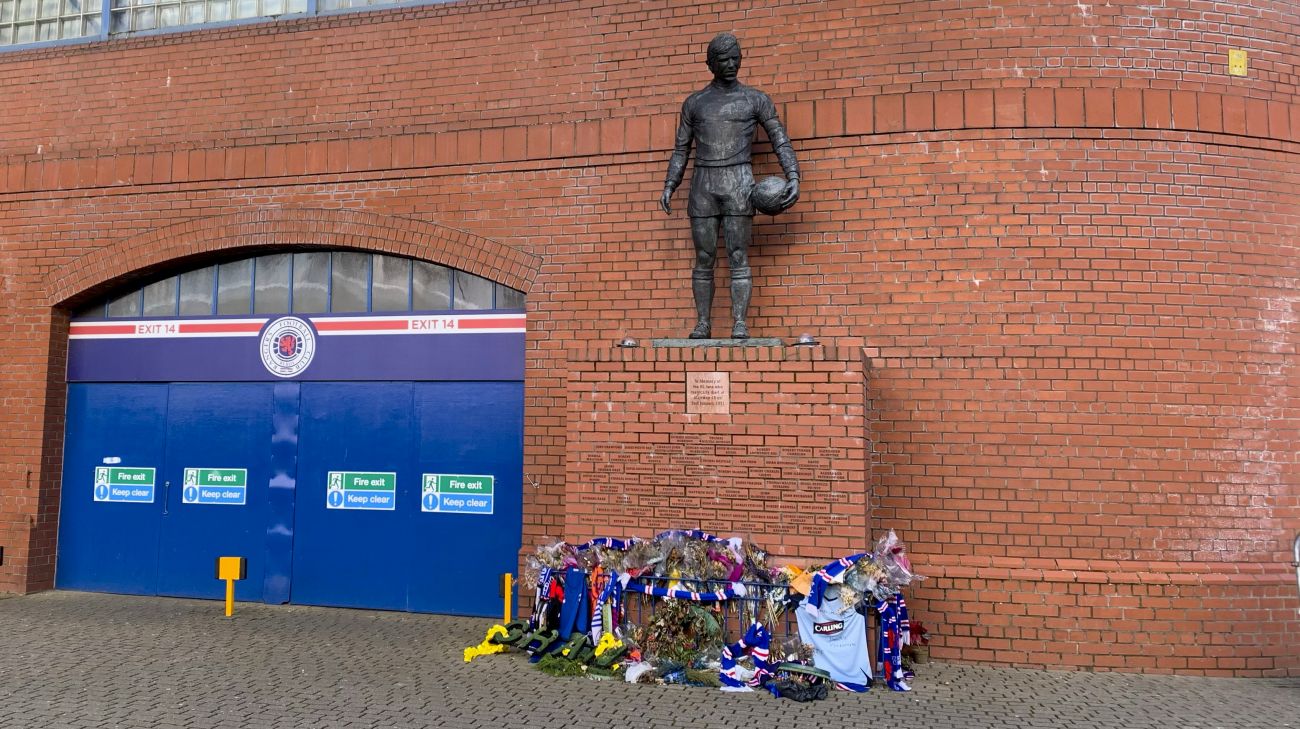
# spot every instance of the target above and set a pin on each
(724, 56)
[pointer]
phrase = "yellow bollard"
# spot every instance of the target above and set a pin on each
(231, 569)
(507, 591)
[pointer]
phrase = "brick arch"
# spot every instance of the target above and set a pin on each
(287, 228)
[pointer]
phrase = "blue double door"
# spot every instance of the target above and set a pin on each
(288, 438)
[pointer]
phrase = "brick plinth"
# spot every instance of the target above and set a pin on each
(786, 465)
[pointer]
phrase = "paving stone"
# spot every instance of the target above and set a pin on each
(77, 660)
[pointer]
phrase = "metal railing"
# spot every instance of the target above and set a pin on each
(734, 616)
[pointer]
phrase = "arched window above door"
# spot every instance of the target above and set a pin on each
(311, 282)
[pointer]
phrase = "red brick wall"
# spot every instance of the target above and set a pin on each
(1064, 236)
(1154, 617)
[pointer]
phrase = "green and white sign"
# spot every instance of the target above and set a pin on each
(456, 493)
(361, 490)
(124, 484)
(224, 486)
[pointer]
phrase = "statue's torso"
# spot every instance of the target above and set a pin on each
(724, 120)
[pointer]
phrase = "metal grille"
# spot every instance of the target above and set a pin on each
(310, 283)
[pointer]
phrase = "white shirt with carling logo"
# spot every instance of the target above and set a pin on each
(839, 641)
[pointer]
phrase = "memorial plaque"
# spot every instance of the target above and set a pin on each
(708, 393)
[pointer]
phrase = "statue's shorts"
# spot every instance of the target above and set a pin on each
(717, 191)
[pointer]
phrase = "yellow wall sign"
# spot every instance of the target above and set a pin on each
(1237, 62)
(231, 569)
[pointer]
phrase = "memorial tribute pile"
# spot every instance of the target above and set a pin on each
(692, 608)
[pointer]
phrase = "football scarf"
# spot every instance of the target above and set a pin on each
(679, 593)
(757, 644)
(889, 657)
(545, 604)
(831, 574)
(621, 545)
(574, 615)
(607, 602)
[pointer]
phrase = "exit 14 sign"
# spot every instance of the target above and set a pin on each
(457, 493)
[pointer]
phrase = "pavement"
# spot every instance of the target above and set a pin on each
(70, 659)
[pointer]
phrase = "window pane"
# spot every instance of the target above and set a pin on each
(235, 287)
(391, 285)
(160, 298)
(472, 292)
(169, 15)
(143, 19)
(272, 282)
(310, 290)
(508, 298)
(348, 281)
(196, 291)
(128, 305)
(431, 289)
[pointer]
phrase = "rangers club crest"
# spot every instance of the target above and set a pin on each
(287, 346)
